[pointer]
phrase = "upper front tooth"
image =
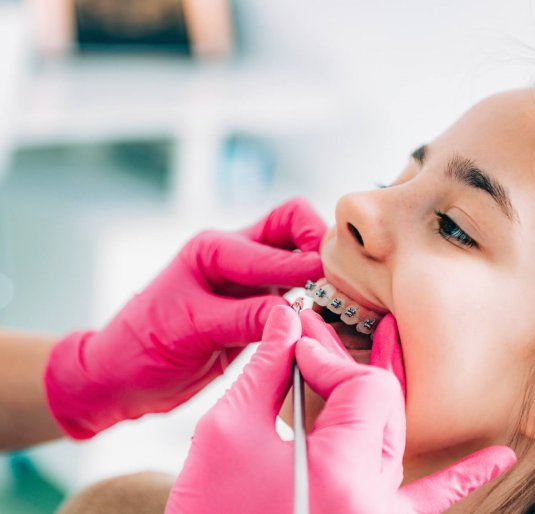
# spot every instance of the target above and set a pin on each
(350, 316)
(366, 326)
(337, 303)
(310, 287)
(323, 294)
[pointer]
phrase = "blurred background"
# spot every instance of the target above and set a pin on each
(126, 127)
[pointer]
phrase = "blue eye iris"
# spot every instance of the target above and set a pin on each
(448, 229)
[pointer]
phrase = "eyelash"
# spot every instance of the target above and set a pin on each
(447, 228)
(455, 231)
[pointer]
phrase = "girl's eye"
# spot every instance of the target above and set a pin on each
(448, 229)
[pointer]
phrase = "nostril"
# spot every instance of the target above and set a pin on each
(355, 233)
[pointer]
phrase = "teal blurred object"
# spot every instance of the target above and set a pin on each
(30, 492)
(246, 171)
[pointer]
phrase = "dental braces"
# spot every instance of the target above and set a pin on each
(363, 326)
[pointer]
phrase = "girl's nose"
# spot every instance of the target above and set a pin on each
(364, 221)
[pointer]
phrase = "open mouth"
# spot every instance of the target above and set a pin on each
(354, 324)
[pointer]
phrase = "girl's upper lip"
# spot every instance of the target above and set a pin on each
(353, 293)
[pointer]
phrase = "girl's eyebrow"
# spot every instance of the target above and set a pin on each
(467, 173)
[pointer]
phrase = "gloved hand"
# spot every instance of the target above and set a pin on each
(238, 464)
(184, 329)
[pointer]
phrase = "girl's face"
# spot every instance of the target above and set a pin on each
(449, 249)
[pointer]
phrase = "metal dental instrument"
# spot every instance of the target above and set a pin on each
(300, 443)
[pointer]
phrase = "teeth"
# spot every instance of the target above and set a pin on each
(366, 327)
(337, 304)
(350, 316)
(326, 295)
(310, 287)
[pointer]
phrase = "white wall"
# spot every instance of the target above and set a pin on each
(406, 70)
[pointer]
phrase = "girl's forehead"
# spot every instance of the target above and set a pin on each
(498, 134)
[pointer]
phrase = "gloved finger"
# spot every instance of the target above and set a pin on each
(237, 321)
(386, 350)
(265, 381)
(230, 257)
(357, 386)
(293, 225)
(316, 328)
(360, 400)
(394, 437)
(386, 354)
(439, 491)
(229, 355)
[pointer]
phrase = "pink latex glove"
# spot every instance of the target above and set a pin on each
(239, 465)
(184, 329)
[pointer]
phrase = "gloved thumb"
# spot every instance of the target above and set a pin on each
(243, 320)
(438, 492)
(322, 369)
(361, 401)
(386, 349)
(266, 378)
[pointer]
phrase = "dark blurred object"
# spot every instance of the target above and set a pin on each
(131, 25)
(201, 28)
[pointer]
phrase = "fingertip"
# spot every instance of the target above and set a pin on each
(386, 350)
(271, 302)
(259, 310)
(294, 268)
(312, 349)
(282, 309)
(282, 325)
(311, 313)
(506, 456)
(322, 369)
(512, 457)
(313, 266)
(311, 357)
(241, 320)
(308, 344)
(314, 326)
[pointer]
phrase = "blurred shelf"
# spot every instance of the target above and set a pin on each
(94, 98)
(113, 97)
(196, 107)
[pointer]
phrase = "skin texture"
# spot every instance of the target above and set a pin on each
(465, 315)
(139, 493)
(25, 418)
